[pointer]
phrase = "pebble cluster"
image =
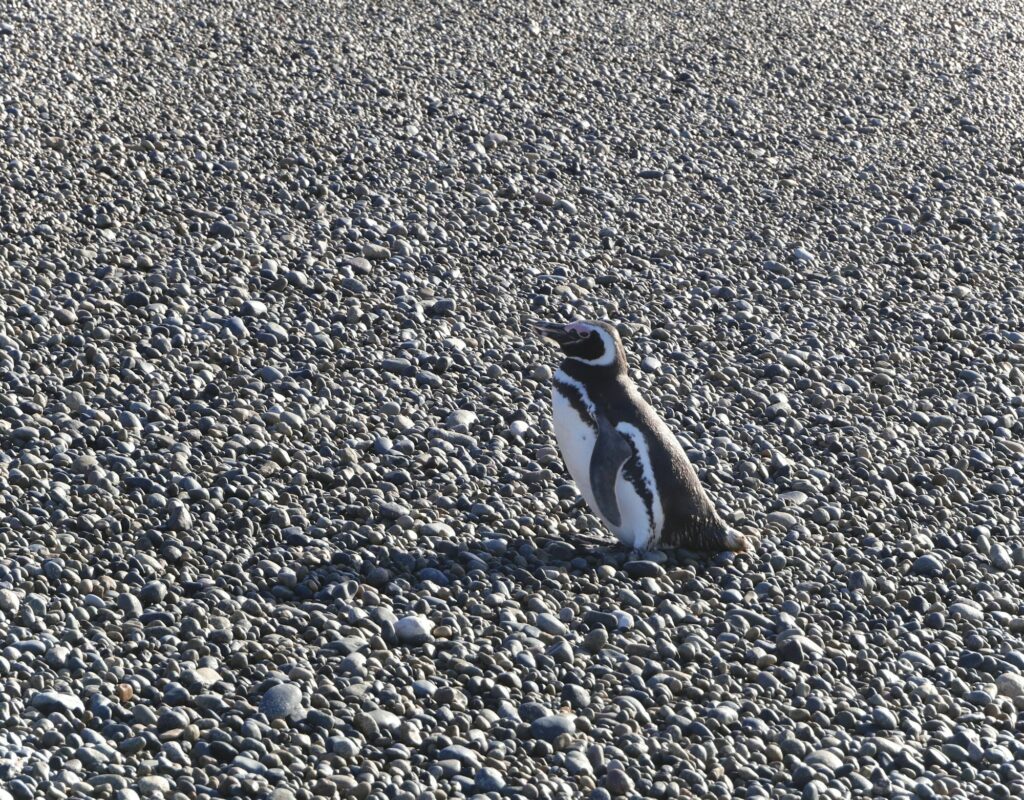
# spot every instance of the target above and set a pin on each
(281, 514)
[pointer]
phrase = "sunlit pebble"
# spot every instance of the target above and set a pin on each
(519, 428)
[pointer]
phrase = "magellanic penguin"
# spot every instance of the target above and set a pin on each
(628, 465)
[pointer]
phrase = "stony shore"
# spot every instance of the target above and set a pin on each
(281, 514)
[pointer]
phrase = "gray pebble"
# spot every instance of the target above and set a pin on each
(50, 702)
(552, 726)
(413, 630)
(281, 701)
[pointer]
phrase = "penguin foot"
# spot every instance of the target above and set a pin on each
(592, 540)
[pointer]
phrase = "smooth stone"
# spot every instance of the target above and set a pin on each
(489, 779)
(968, 610)
(153, 592)
(460, 418)
(578, 764)
(413, 630)
(253, 308)
(236, 327)
(1010, 684)
(154, 785)
(136, 300)
(549, 623)
(884, 718)
(222, 230)
(50, 702)
(176, 695)
(375, 252)
(552, 726)
(9, 602)
(825, 758)
(442, 307)
(928, 564)
(643, 569)
(727, 715)
(530, 711)
(1000, 558)
(281, 701)
(457, 752)
(797, 649)
(424, 688)
(783, 519)
(618, 783)
(595, 640)
(386, 720)
(603, 619)
(518, 428)
(206, 677)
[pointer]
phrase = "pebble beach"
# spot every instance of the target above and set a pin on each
(281, 511)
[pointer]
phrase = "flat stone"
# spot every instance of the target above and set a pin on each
(462, 754)
(460, 418)
(549, 623)
(154, 785)
(50, 702)
(253, 308)
(783, 519)
(385, 720)
(552, 726)
(206, 677)
(967, 610)
(643, 569)
(727, 715)
(413, 630)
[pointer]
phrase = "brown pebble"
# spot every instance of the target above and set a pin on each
(124, 692)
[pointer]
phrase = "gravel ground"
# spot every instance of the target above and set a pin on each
(281, 514)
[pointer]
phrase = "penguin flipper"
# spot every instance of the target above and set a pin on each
(611, 450)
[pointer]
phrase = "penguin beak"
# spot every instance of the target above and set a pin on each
(554, 331)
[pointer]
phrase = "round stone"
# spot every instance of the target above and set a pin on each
(413, 630)
(281, 701)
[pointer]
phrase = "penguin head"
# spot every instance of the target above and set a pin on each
(596, 344)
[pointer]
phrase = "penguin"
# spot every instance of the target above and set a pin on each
(630, 468)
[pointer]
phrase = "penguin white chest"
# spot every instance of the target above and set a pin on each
(640, 519)
(576, 438)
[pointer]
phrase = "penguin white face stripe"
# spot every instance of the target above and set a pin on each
(562, 377)
(657, 510)
(608, 356)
